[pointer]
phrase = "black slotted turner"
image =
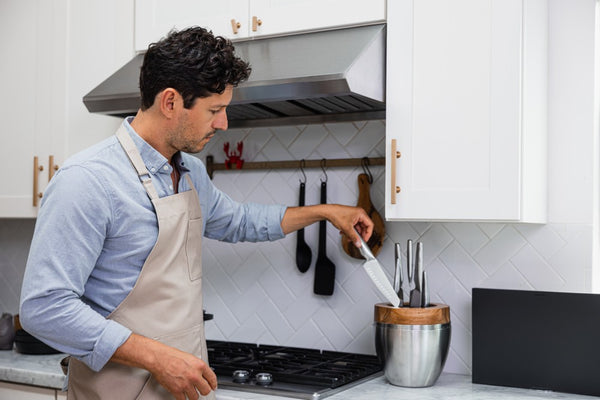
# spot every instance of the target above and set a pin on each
(324, 267)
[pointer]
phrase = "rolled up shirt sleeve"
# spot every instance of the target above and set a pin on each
(69, 235)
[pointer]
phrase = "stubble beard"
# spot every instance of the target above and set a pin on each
(181, 142)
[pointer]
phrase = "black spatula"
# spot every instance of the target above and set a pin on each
(303, 253)
(324, 268)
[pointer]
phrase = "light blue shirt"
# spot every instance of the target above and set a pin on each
(94, 230)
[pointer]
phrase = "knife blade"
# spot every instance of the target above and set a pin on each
(377, 275)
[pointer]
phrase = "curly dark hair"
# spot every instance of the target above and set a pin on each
(193, 62)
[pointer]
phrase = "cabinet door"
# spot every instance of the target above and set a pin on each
(14, 391)
(285, 16)
(27, 105)
(456, 99)
(155, 18)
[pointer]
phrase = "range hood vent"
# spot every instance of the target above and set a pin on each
(329, 76)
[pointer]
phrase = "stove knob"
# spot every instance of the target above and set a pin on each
(264, 378)
(241, 376)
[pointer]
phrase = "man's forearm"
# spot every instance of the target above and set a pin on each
(298, 217)
(179, 372)
(344, 218)
(137, 351)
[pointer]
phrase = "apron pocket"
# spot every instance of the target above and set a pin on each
(193, 247)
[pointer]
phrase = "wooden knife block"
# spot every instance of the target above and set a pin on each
(434, 314)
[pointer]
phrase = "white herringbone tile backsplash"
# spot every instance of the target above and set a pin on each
(257, 294)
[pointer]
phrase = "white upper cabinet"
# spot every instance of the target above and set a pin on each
(238, 19)
(52, 67)
(34, 125)
(287, 16)
(155, 18)
(466, 108)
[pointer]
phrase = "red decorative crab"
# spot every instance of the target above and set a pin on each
(234, 158)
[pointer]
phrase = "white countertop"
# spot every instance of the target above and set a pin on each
(34, 370)
(45, 371)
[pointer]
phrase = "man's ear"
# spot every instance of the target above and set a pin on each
(168, 100)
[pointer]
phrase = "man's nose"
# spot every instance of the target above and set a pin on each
(220, 122)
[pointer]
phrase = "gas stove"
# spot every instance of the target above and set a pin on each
(288, 371)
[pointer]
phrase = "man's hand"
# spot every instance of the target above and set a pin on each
(182, 374)
(344, 218)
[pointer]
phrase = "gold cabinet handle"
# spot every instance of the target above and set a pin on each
(36, 171)
(255, 23)
(395, 155)
(52, 168)
(235, 25)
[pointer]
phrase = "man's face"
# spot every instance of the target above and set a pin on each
(198, 124)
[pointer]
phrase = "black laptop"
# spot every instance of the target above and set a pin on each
(537, 340)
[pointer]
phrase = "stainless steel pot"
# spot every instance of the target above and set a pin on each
(412, 343)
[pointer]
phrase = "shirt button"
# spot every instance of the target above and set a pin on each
(153, 169)
(166, 168)
(171, 187)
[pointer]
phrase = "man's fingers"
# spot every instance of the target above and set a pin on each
(191, 393)
(203, 386)
(210, 377)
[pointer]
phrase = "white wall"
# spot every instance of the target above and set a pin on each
(572, 144)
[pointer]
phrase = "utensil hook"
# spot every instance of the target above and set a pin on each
(302, 165)
(323, 165)
(365, 166)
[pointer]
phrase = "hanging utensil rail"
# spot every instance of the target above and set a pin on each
(211, 166)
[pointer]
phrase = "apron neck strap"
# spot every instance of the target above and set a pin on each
(136, 160)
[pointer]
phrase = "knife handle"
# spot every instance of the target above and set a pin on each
(425, 292)
(419, 267)
(410, 267)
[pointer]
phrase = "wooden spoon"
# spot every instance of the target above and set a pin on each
(364, 201)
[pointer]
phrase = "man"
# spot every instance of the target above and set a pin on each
(114, 272)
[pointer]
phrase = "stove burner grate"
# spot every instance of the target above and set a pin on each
(328, 369)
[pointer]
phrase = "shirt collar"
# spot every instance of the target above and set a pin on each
(154, 161)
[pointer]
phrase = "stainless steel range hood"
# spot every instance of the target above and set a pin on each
(330, 76)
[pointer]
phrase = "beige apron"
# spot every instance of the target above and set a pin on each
(166, 301)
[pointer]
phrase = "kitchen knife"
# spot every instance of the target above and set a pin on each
(416, 299)
(376, 274)
(398, 278)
